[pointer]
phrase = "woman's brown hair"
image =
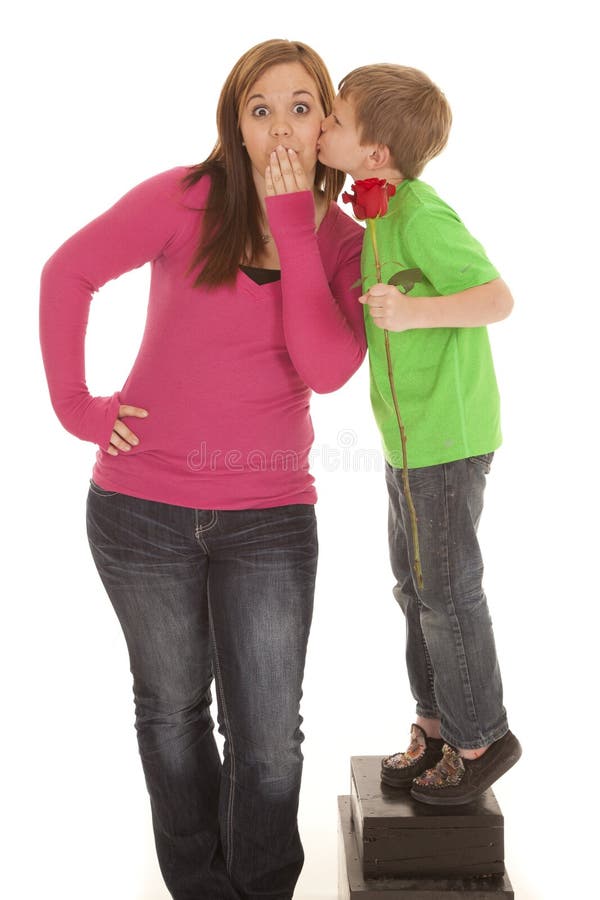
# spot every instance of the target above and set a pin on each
(232, 219)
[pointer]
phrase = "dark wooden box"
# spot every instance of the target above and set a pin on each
(397, 836)
(353, 885)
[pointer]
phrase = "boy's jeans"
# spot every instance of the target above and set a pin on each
(450, 651)
(224, 594)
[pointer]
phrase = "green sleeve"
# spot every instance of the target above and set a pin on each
(448, 255)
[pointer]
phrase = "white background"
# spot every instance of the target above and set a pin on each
(99, 96)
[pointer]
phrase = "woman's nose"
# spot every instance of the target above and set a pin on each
(280, 127)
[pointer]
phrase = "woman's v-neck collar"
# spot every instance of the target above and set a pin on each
(262, 290)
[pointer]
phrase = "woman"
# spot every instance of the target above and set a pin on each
(201, 508)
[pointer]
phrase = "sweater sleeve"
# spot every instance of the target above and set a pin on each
(322, 318)
(137, 229)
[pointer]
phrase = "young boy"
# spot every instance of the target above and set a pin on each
(387, 122)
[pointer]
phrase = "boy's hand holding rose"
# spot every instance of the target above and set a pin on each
(390, 309)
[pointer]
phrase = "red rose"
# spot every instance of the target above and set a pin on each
(369, 197)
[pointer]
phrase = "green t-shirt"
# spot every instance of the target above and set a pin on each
(444, 377)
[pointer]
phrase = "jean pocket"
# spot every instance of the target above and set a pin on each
(101, 492)
(484, 461)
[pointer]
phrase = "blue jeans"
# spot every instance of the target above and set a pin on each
(203, 594)
(450, 650)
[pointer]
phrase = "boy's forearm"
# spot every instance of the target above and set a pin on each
(472, 308)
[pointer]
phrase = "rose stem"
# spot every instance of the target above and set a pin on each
(407, 493)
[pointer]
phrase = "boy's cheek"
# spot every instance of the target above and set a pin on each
(324, 154)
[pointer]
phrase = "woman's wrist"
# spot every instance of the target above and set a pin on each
(291, 214)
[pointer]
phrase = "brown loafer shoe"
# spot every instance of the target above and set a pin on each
(400, 769)
(454, 780)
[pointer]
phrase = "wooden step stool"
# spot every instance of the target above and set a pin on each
(391, 844)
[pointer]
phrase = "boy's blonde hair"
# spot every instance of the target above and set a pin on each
(401, 108)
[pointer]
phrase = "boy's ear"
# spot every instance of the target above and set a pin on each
(378, 157)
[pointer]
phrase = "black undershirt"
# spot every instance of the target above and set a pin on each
(261, 276)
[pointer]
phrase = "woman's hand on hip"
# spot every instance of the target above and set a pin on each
(122, 438)
(284, 174)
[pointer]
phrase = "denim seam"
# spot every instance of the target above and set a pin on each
(430, 672)
(200, 529)
(99, 491)
(397, 505)
(460, 648)
(223, 704)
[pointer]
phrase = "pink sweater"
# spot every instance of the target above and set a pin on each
(226, 375)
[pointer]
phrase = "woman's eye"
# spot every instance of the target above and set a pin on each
(301, 108)
(260, 112)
